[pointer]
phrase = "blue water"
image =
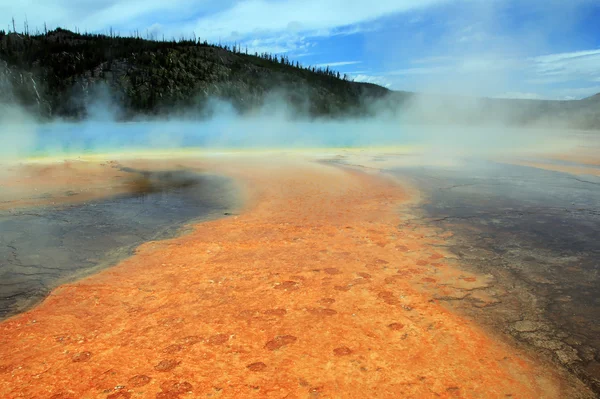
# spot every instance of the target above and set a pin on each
(97, 136)
(260, 132)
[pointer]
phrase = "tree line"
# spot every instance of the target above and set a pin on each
(24, 49)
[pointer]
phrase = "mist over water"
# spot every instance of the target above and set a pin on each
(435, 125)
(22, 137)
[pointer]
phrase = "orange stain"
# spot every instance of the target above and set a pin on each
(311, 291)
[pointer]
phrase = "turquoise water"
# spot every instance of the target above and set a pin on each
(105, 136)
(90, 137)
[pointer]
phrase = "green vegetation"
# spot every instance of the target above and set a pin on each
(59, 73)
(64, 74)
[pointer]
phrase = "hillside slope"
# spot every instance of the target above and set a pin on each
(61, 73)
(65, 74)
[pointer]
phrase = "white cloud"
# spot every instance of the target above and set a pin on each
(378, 80)
(565, 67)
(521, 95)
(338, 64)
(432, 59)
(434, 70)
(575, 92)
(552, 58)
(455, 65)
(285, 43)
(471, 34)
(259, 17)
(216, 19)
(513, 77)
(90, 15)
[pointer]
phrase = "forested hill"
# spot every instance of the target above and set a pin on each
(60, 73)
(65, 74)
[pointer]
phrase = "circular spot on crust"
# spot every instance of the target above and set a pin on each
(119, 395)
(287, 285)
(218, 339)
(342, 351)
(275, 312)
(327, 301)
(167, 395)
(332, 270)
(258, 366)
(393, 279)
(173, 349)
(322, 312)
(373, 267)
(166, 365)
(388, 297)
(81, 357)
(396, 326)
(280, 341)
(248, 314)
(302, 382)
(139, 380)
(344, 288)
(62, 395)
(191, 340)
(364, 275)
(105, 381)
(177, 387)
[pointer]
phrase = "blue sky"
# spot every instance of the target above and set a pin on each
(499, 48)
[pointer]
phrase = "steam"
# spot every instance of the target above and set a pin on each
(17, 132)
(437, 126)
(421, 123)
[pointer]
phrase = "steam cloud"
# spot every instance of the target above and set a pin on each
(437, 125)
